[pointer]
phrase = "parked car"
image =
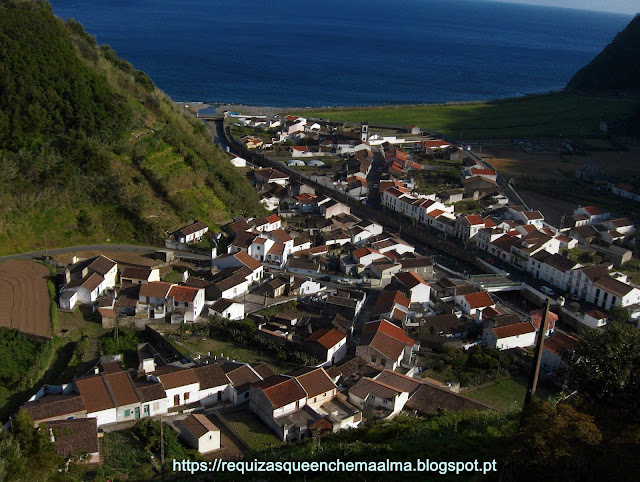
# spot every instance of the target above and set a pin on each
(547, 291)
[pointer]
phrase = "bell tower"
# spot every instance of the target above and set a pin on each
(364, 131)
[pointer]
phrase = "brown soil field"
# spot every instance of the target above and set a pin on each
(25, 297)
(514, 162)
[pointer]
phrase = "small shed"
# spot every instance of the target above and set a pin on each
(239, 162)
(68, 300)
(199, 432)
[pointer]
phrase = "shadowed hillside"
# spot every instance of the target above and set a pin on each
(90, 150)
(617, 67)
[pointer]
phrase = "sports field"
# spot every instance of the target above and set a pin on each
(557, 114)
(25, 298)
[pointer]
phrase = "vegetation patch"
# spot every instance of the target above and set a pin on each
(251, 429)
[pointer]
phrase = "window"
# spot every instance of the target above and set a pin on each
(186, 396)
(127, 412)
(373, 358)
(156, 405)
(604, 298)
(597, 293)
(383, 362)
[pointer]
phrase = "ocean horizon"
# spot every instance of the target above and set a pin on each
(360, 53)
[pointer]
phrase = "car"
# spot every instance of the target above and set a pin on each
(547, 291)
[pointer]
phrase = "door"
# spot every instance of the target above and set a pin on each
(136, 412)
(146, 410)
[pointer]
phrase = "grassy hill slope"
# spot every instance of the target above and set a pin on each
(616, 67)
(90, 150)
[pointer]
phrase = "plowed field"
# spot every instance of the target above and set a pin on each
(24, 298)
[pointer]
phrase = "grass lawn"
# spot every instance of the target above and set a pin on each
(507, 395)
(252, 430)
(556, 114)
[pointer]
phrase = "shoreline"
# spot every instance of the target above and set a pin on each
(272, 110)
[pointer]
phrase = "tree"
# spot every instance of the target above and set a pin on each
(620, 314)
(555, 439)
(606, 366)
(27, 453)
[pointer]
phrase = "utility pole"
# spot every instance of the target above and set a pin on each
(537, 357)
(161, 451)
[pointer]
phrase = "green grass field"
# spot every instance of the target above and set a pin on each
(506, 395)
(556, 114)
(252, 430)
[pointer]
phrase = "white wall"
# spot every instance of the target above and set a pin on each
(193, 390)
(104, 416)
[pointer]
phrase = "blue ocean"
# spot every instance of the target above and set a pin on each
(346, 52)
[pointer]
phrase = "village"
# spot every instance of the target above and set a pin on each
(379, 247)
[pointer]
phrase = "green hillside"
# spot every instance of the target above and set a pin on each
(615, 68)
(90, 150)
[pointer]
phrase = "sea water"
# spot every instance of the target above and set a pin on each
(346, 52)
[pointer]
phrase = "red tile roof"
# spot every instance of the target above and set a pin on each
(560, 341)
(474, 219)
(536, 319)
(199, 425)
(388, 299)
(514, 330)
(192, 228)
(593, 210)
(184, 293)
(121, 388)
(102, 265)
(94, 393)
(155, 289)
(389, 329)
(479, 300)
(251, 263)
(283, 392)
(327, 337)
(178, 378)
(410, 279)
(480, 172)
(316, 382)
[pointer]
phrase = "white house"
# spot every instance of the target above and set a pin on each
(214, 383)
(191, 233)
(517, 335)
(226, 308)
(472, 304)
(328, 345)
(200, 433)
(419, 290)
(97, 400)
(180, 384)
(87, 291)
(107, 268)
(187, 301)
(152, 299)
(370, 394)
